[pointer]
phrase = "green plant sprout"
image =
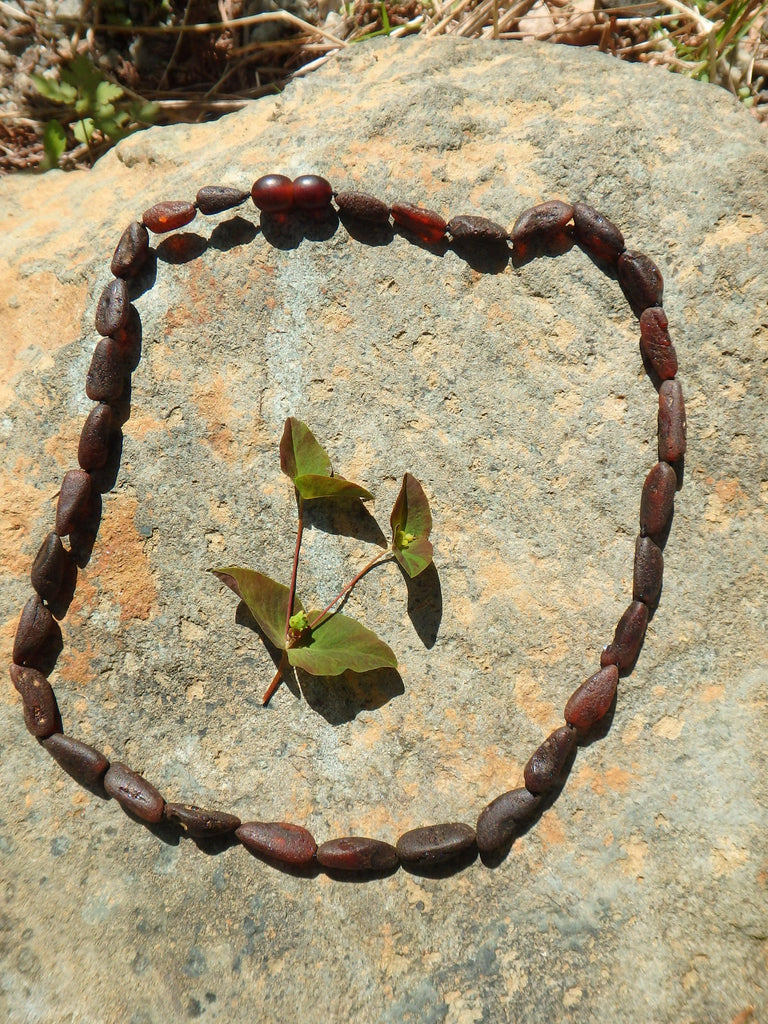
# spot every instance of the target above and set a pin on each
(95, 107)
(326, 642)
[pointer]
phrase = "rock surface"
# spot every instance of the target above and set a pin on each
(519, 400)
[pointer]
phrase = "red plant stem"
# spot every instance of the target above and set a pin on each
(295, 570)
(276, 681)
(380, 558)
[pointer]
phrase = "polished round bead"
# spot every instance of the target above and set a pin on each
(169, 215)
(273, 193)
(311, 192)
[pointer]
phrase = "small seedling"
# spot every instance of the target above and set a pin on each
(326, 642)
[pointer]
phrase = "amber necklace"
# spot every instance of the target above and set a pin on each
(542, 228)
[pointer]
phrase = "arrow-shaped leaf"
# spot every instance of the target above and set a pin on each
(301, 454)
(340, 643)
(411, 522)
(312, 486)
(267, 600)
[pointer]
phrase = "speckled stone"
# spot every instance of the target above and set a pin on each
(518, 399)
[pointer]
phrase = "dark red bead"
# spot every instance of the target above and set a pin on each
(435, 844)
(74, 501)
(85, 764)
(311, 192)
(592, 700)
(35, 625)
(545, 767)
(641, 280)
(595, 233)
(132, 251)
(425, 224)
(48, 567)
(278, 840)
(467, 228)
(658, 499)
(361, 206)
(504, 818)
(113, 308)
(93, 449)
(541, 224)
(356, 853)
(200, 823)
(134, 793)
(656, 344)
(41, 712)
(105, 380)
(169, 216)
(218, 198)
(273, 193)
(672, 423)
(628, 638)
(648, 572)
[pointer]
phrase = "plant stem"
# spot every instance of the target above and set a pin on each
(277, 679)
(378, 559)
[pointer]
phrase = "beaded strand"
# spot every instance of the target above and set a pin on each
(544, 227)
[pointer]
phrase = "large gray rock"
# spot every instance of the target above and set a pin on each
(519, 399)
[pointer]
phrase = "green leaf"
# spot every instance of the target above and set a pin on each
(312, 486)
(144, 112)
(83, 129)
(54, 144)
(267, 600)
(107, 93)
(411, 522)
(301, 454)
(340, 643)
(58, 92)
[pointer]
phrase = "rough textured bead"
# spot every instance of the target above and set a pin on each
(41, 712)
(641, 280)
(467, 228)
(435, 844)
(74, 501)
(648, 572)
(200, 823)
(105, 379)
(93, 449)
(658, 499)
(217, 198)
(656, 344)
(113, 308)
(545, 768)
(278, 840)
(591, 701)
(355, 853)
(134, 793)
(361, 206)
(47, 573)
(85, 764)
(599, 236)
(541, 223)
(311, 192)
(672, 425)
(425, 224)
(35, 625)
(504, 818)
(169, 216)
(628, 638)
(131, 251)
(273, 193)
